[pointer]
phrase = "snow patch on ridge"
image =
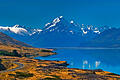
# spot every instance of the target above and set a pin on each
(97, 32)
(71, 22)
(85, 32)
(71, 32)
(55, 21)
(16, 29)
(47, 24)
(61, 16)
(35, 31)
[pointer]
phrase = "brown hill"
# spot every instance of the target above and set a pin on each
(9, 44)
(7, 40)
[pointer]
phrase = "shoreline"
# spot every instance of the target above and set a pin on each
(54, 49)
(43, 69)
(48, 54)
(57, 68)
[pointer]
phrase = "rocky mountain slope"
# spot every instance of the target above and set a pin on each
(64, 33)
(108, 38)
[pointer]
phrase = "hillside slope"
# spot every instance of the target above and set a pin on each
(9, 44)
(108, 38)
(5, 39)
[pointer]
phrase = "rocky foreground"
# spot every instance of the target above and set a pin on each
(33, 69)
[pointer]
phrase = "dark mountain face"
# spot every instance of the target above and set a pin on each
(5, 39)
(108, 38)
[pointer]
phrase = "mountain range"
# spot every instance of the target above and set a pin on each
(64, 33)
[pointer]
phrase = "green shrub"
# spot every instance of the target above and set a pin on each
(6, 53)
(112, 74)
(43, 50)
(22, 75)
(55, 78)
(51, 78)
(2, 67)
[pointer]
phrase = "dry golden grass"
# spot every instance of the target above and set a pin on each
(9, 64)
(23, 50)
(46, 70)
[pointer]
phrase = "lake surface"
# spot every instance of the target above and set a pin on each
(89, 58)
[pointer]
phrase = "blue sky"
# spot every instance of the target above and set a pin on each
(39, 12)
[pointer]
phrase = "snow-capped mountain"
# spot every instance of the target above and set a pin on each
(19, 32)
(59, 24)
(59, 32)
(17, 29)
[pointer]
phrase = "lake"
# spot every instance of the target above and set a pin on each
(107, 59)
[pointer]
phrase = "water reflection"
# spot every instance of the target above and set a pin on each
(88, 65)
(97, 63)
(106, 59)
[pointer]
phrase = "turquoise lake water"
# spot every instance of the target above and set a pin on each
(88, 58)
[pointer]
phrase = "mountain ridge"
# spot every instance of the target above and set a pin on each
(61, 32)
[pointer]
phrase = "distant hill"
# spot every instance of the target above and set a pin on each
(108, 38)
(7, 40)
(8, 45)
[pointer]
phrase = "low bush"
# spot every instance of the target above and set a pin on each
(43, 50)
(22, 75)
(112, 74)
(6, 53)
(51, 78)
(55, 78)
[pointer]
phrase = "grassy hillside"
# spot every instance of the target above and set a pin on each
(52, 70)
(12, 47)
(7, 40)
(8, 50)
